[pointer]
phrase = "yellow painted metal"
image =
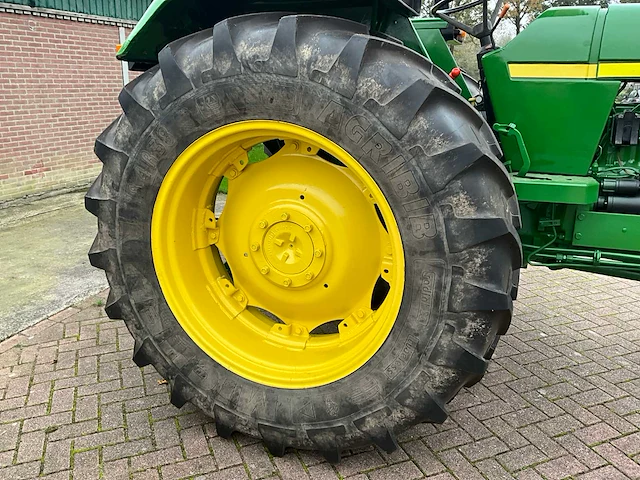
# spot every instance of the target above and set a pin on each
(553, 70)
(619, 70)
(575, 70)
(304, 245)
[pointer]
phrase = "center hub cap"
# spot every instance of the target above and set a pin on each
(287, 247)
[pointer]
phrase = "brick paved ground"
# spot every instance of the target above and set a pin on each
(561, 399)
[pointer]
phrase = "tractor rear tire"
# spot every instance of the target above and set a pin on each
(433, 157)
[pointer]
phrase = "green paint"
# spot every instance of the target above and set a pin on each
(614, 231)
(554, 132)
(556, 189)
(620, 39)
(428, 30)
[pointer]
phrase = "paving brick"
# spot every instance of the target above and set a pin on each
(166, 433)
(489, 447)
(156, 458)
(117, 470)
(360, 463)
(400, 471)
(459, 466)
(86, 408)
(57, 456)
(629, 444)
(62, 400)
(560, 468)
(138, 425)
(194, 442)
(127, 449)
(492, 470)
(606, 473)
(86, 464)
(598, 433)
(20, 472)
(44, 421)
(39, 393)
(97, 439)
(423, 457)
(257, 460)
(111, 416)
(236, 473)
(9, 436)
(290, 467)
(448, 439)
(619, 459)
(31, 446)
(189, 468)
(322, 471)
(522, 457)
(225, 452)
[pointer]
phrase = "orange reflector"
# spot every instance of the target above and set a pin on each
(118, 47)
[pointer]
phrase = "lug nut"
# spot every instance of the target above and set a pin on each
(361, 313)
(286, 282)
(318, 253)
(233, 173)
(308, 228)
(255, 247)
(263, 224)
(309, 275)
(284, 216)
(264, 270)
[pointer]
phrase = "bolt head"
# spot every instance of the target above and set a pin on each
(308, 228)
(309, 275)
(263, 224)
(233, 173)
(284, 216)
(286, 282)
(255, 247)
(241, 298)
(360, 313)
(578, 236)
(581, 216)
(264, 270)
(318, 253)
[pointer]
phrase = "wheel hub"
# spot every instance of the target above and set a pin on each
(287, 247)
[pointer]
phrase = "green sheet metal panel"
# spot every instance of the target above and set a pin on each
(616, 231)
(556, 189)
(621, 37)
(125, 9)
(561, 119)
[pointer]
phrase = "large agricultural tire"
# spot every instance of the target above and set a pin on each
(440, 187)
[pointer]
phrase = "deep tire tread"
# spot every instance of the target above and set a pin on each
(460, 356)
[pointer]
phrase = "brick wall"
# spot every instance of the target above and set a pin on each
(59, 84)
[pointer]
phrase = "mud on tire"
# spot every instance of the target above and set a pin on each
(434, 158)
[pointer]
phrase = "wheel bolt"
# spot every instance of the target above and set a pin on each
(233, 173)
(263, 224)
(255, 247)
(318, 253)
(309, 275)
(284, 216)
(286, 282)
(308, 228)
(264, 270)
(361, 313)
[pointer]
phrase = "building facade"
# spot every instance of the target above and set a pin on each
(59, 85)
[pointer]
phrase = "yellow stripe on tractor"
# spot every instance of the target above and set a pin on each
(575, 70)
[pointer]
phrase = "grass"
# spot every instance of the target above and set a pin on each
(256, 154)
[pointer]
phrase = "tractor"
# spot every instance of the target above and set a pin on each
(364, 260)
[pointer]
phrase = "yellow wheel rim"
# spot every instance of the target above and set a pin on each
(305, 247)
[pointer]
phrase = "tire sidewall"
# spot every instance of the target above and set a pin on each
(350, 125)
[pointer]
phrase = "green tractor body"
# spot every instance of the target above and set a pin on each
(361, 270)
(553, 88)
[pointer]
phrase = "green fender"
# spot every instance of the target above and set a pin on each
(168, 20)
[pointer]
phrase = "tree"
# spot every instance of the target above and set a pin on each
(524, 11)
